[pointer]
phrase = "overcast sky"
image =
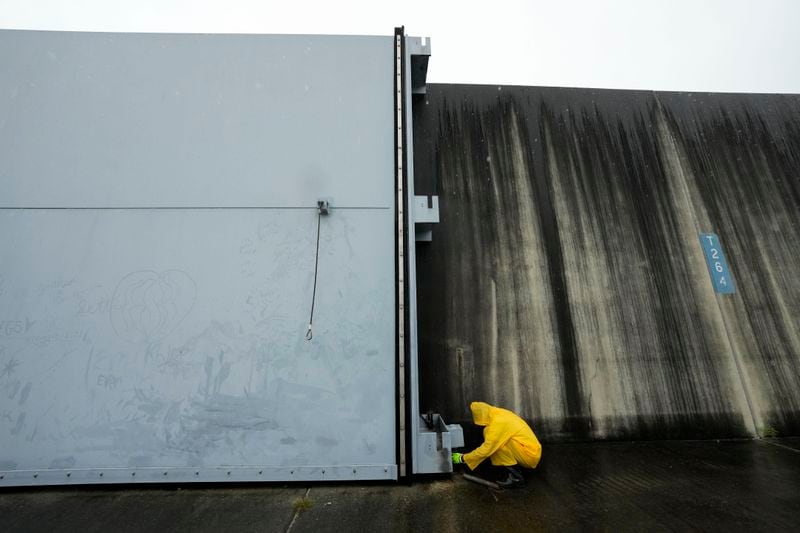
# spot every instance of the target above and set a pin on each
(691, 45)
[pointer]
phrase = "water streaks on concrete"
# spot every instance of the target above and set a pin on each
(567, 268)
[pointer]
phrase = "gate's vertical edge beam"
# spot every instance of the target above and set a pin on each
(400, 178)
(411, 259)
(431, 439)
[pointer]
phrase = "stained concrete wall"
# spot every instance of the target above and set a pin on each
(566, 280)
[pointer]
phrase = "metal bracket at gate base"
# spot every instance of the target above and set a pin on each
(435, 442)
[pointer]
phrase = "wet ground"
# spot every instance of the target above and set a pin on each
(652, 486)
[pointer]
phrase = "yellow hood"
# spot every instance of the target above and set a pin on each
(481, 413)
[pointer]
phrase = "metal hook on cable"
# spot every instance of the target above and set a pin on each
(322, 209)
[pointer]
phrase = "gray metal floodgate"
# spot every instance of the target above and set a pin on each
(652, 486)
(159, 210)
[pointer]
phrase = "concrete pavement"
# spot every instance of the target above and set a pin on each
(653, 486)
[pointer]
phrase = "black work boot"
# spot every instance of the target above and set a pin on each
(514, 479)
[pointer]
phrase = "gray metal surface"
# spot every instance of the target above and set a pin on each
(411, 48)
(152, 318)
(137, 120)
(426, 209)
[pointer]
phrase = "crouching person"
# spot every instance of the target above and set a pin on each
(508, 442)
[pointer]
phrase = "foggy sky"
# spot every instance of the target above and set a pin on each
(689, 45)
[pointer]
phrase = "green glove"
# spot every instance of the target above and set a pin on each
(458, 458)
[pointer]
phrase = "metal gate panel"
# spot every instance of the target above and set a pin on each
(158, 254)
(151, 120)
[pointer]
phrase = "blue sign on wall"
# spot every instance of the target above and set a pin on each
(717, 266)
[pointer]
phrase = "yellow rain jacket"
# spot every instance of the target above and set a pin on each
(507, 439)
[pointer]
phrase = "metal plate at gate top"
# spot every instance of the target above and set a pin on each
(136, 120)
(157, 281)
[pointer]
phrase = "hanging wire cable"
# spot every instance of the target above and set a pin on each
(310, 333)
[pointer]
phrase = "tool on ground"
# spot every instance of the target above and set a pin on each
(481, 481)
